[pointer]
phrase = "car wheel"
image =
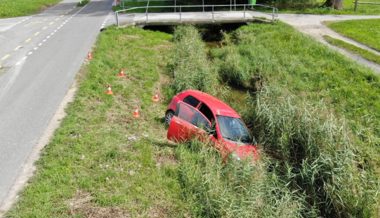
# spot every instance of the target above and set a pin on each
(168, 117)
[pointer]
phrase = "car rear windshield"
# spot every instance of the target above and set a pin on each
(234, 129)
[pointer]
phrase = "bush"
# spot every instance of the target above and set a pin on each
(315, 154)
(237, 189)
(189, 66)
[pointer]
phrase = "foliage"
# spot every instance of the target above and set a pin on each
(83, 3)
(189, 66)
(315, 154)
(236, 189)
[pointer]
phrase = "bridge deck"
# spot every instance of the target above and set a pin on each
(191, 18)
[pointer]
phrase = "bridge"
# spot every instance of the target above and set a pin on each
(194, 14)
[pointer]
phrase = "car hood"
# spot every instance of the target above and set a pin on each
(246, 151)
(242, 151)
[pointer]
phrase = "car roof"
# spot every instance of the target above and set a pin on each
(217, 106)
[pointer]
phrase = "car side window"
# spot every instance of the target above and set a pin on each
(191, 101)
(206, 111)
(191, 115)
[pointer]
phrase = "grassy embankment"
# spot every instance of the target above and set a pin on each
(366, 32)
(15, 8)
(314, 7)
(301, 93)
(353, 49)
(101, 160)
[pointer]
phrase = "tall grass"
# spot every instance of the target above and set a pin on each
(281, 56)
(237, 189)
(189, 66)
(315, 154)
(14, 8)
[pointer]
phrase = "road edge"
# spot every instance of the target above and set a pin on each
(29, 167)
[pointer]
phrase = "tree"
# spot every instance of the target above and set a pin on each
(336, 4)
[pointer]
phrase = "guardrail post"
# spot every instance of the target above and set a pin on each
(244, 11)
(356, 5)
(180, 14)
(212, 12)
(117, 18)
(273, 11)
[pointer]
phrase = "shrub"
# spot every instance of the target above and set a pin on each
(189, 66)
(237, 189)
(315, 154)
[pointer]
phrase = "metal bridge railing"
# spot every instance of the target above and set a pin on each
(273, 12)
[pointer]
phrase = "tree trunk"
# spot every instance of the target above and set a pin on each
(336, 4)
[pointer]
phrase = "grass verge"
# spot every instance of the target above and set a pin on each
(352, 48)
(366, 32)
(15, 8)
(102, 162)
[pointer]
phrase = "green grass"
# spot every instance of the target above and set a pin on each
(15, 8)
(83, 3)
(348, 8)
(366, 32)
(101, 160)
(279, 54)
(353, 49)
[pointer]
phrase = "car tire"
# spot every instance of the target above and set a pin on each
(168, 117)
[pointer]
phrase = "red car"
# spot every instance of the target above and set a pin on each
(195, 114)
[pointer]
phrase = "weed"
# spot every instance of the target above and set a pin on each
(189, 66)
(237, 189)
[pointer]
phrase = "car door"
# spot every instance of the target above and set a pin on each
(187, 124)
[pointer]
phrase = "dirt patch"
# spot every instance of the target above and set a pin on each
(165, 159)
(81, 205)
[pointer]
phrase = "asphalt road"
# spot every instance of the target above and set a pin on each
(39, 58)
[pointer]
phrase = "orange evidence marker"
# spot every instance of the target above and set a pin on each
(136, 113)
(89, 56)
(121, 73)
(156, 98)
(109, 90)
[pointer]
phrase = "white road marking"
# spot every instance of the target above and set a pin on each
(21, 61)
(30, 53)
(17, 48)
(37, 33)
(40, 44)
(35, 48)
(28, 40)
(44, 40)
(51, 23)
(5, 57)
(44, 28)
